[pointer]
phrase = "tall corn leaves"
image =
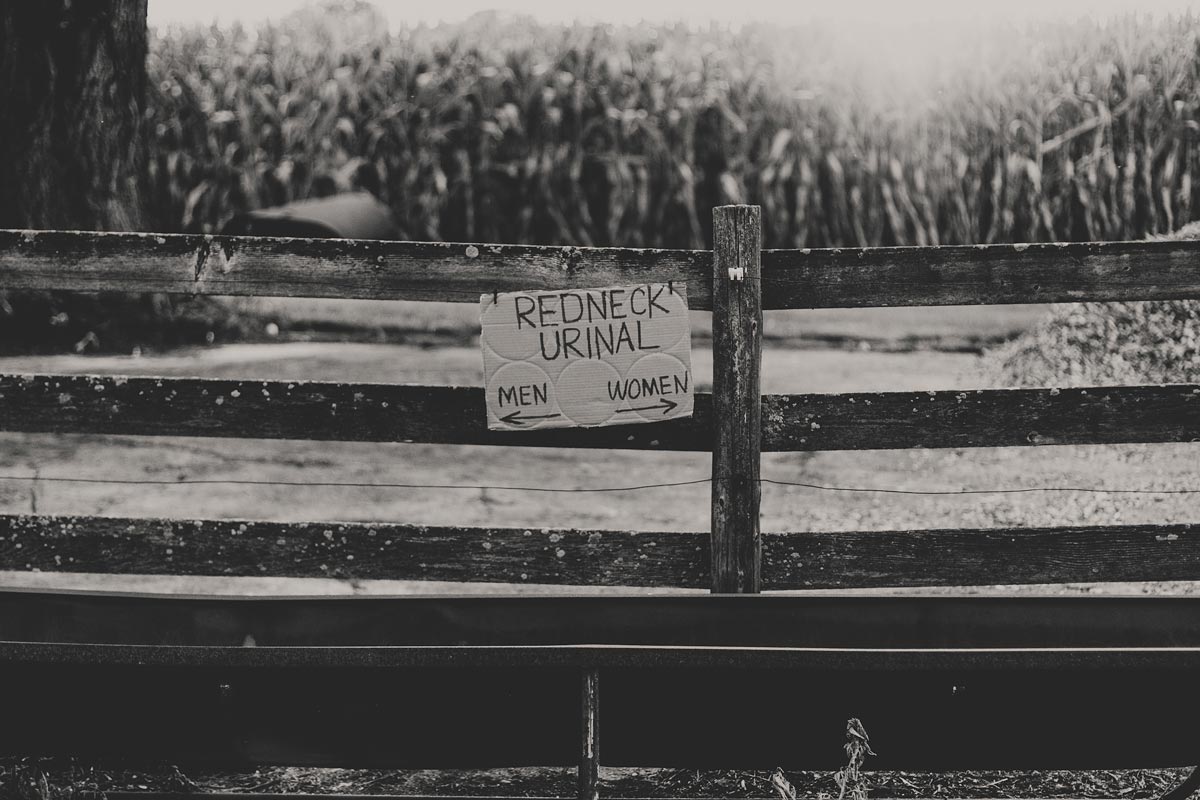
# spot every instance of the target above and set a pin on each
(508, 131)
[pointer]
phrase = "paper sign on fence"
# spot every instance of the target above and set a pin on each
(586, 357)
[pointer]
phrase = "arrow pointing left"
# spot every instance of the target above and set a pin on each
(516, 418)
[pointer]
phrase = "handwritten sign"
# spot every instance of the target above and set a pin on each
(587, 357)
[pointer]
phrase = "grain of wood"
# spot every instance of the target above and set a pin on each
(338, 268)
(832, 278)
(982, 418)
(736, 399)
(980, 274)
(810, 560)
(359, 551)
(988, 557)
(296, 410)
(361, 412)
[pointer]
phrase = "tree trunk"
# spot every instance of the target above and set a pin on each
(72, 93)
(72, 154)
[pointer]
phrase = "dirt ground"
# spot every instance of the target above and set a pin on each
(944, 327)
(614, 782)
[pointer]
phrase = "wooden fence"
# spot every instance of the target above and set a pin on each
(732, 422)
(735, 422)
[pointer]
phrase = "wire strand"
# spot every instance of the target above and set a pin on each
(938, 492)
(38, 478)
(349, 484)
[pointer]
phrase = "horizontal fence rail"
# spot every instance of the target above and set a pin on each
(339, 268)
(284, 629)
(378, 270)
(1183, 659)
(982, 418)
(361, 551)
(455, 415)
(383, 551)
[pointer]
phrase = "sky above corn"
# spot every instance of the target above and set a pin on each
(932, 12)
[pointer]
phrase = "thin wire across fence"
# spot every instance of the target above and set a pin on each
(577, 489)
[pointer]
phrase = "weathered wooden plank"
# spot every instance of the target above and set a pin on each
(980, 274)
(970, 557)
(588, 784)
(982, 418)
(376, 270)
(455, 415)
(352, 550)
(837, 278)
(300, 410)
(858, 559)
(736, 399)
(292, 631)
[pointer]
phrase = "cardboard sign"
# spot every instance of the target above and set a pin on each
(586, 357)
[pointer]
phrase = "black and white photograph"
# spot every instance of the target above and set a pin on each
(544, 400)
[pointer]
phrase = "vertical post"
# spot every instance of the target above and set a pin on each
(589, 756)
(737, 405)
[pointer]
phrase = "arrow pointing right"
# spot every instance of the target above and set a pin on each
(663, 403)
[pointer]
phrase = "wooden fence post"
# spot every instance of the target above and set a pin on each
(737, 406)
(589, 756)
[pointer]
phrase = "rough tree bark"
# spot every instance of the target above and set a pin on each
(72, 89)
(72, 152)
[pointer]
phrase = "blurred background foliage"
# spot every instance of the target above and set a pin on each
(508, 130)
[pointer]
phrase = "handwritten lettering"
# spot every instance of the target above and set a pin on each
(657, 386)
(591, 324)
(532, 394)
(593, 342)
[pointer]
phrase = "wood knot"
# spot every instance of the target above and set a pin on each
(571, 258)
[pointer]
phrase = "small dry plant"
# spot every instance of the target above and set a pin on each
(858, 747)
(849, 779)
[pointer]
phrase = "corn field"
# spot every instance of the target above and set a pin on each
(504, 130)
